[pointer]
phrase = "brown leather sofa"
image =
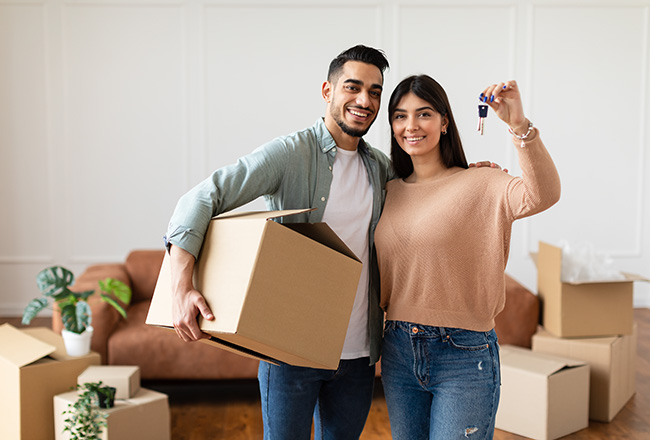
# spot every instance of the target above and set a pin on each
(162, 355)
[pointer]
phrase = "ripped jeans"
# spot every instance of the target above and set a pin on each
(440, 383)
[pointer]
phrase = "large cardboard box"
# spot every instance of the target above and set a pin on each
(145, 416)
(612, 362)
(543, 397)
(582, 309)
(125, 378)
(34, 367)
(279, 292)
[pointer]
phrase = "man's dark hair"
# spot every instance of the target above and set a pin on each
(365, 54)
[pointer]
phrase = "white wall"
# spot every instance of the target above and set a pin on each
(111, 109)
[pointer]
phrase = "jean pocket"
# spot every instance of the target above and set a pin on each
(468, 340)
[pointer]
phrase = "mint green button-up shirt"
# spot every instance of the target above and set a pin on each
(290, 172)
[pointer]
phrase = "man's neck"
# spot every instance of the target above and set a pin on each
(343, 140)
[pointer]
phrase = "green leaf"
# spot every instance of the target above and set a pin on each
(83, 296)
(69, 317)
(114, 303)
(32, 309)
(69, 300)
(83, 315)
(121, 291)
(75, 316)
(54, 282)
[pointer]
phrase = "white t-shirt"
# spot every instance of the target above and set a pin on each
(348, 213)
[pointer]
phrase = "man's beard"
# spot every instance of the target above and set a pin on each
(346, 128)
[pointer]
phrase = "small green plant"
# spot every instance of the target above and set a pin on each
(105, 394)
(54, 283)
(84, 419)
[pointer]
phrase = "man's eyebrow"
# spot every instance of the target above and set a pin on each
(360, 83)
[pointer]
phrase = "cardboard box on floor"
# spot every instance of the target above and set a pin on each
(612, 364)
(543, 397)
(34, 367)
(582, 309)
(279, 292)
(145, 416)
(125, 378)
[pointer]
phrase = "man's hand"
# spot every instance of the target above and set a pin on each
(187, 302)
(487, 163)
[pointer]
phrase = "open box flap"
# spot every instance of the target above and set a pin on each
(536, 362)
(635, 277)
(553, 258)
(262, 215)
(629, 277)
(20, 348)
(323, 234)
(319, 232)
(47, 336)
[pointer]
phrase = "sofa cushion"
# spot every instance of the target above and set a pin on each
(143, 267)
(517, 322)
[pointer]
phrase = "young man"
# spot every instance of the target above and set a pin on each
(327, 166)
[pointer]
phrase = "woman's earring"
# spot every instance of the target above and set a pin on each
(444, 131)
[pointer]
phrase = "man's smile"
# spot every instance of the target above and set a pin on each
(359, 113)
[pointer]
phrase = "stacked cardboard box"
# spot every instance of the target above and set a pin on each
(585, 309)
(34, 367)
(138, 414)
(125, 379)
(543, 397)
(612, 362)
(594, 322)
(591, 322)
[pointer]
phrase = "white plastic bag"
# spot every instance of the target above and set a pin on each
(581, 262)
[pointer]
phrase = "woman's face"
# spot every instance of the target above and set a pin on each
(417, 126)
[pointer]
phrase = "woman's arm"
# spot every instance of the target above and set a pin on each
(539, 187)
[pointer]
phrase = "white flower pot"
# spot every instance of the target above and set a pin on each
(77, 344)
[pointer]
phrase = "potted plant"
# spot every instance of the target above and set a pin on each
(54, 283)
(104, 394)
(84, 418)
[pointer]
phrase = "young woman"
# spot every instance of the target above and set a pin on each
(443, 242)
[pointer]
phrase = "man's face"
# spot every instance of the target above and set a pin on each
(354, 97)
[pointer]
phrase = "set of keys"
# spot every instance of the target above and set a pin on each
(482, 114)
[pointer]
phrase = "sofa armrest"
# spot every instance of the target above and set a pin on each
(104, 316)
(517, 322)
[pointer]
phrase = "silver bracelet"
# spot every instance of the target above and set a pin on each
(523, 136)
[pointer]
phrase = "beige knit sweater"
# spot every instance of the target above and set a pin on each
(443, 245)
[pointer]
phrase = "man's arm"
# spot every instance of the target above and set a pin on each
(187, 302)
(227, 188)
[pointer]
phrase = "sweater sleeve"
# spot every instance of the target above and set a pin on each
(539, 187)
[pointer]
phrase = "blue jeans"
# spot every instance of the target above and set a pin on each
(440, 383)
(339, 400)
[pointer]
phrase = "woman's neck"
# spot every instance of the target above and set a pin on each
(426, 170)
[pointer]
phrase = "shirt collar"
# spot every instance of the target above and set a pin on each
(327, 142)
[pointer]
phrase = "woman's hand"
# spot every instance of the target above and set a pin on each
(505, 100)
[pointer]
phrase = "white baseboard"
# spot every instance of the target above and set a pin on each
(9, 310)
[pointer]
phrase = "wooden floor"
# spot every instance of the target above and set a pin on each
(231, 409)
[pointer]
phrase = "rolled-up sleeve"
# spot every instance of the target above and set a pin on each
(254, 175)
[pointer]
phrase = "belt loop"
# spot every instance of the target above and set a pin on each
(443, 334)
